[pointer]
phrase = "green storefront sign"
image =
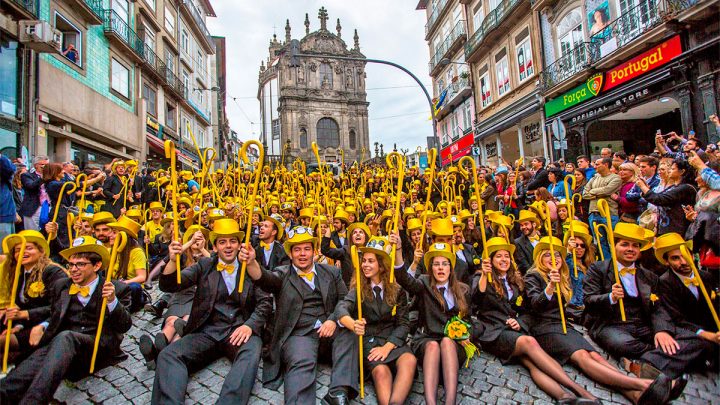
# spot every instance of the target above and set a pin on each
(581, 93)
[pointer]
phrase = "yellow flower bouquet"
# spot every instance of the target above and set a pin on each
(35, 289)
(457, 329)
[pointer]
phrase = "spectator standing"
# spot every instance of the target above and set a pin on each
(584, 163)
(7, 203)
(648, 170)
(540, 178)
(602, 186)
(557, 183)
(627, 210)
(31, 182)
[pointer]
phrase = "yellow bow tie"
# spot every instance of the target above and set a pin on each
(229, 268)
(693, 281)
(627, 270)
(82, 290)
(307, 276)
(264, 245)
(459, 247)
(534, 238)
(341, 234)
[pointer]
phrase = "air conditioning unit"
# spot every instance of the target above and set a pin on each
(40, 36)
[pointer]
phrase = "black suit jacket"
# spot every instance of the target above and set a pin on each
(116, 322)
(256, 304)
(492, 310)
(284, 283)
(543, 313)
(278, 257)
(341, 254)
(599, 312)
(31, 183)
(464, 269)
(523, 254)
(686, 311)
(39, 307)
(335, 237)
(540, 179)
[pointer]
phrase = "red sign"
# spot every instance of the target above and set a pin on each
(457, 156)
(643, 63)
(458, 146)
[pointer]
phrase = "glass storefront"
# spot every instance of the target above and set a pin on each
(83, 157)
(9, 72)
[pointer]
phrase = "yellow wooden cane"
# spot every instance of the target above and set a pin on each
(432, 157)
(117, 247)
(596, 231)
(13, 293)
(604, 209)
(53, 235)
(570, 180)
(476, 187)
(688, 258)
(358, 292)
(548, 228)
(243, 156)
(81, 177)
(396, 161)
(170, 154)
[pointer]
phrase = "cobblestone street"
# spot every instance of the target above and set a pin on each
(487, 381)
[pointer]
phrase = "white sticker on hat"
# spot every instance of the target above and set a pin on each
(78, 242)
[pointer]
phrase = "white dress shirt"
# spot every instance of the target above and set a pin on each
(448, 295)
(229, 279)
(628, 282)
(693, 289)
(509, 289)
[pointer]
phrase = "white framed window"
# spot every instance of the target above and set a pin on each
(570, 36)
(149, 37)
(122, 9)
(71, 39)
(170, 116)
(150, 95)
(185, 41)
(151, 4)
(454, 127)
(467, 114)
(485, 94)
(523, 53)
(169, 20)
(120, 78)
(502, 73)
(478, 15)
(184, 123)
(169, 59)
(494, 4)
(445, 137)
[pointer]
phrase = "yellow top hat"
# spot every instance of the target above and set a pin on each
(668, 242)
(131, 163)
(408, 211)
(456, 221)
(526, 215)
(497, 243)
(288, 207)
(134, 214)
(537, 209)
(116, 164)
(87, 216)
(320, 219)
(185, 200)
(380, 201)
(191, 230)
(369, 217)
(167, 217)
(439, 250)
(503, 220)
(102, 217)
(367, 202)
(306, 213)
(156, 205)
(87, 244)
(215, 214)
(465, 214)
(377, 245)
(413, 224)
(126, 225)
(350, 209)
(279, 224)
(545, 243)
(343, 216)
(274, 203)
(226, 227)
(361, 225)
(631, 232)
(650, 236)
(441, 227)
(162, 181)
(35, 237)
(580, 231)
(386, 214)
(298, 235)
(185, 174)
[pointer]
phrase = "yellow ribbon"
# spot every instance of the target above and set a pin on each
(229, 268)
(82, 290)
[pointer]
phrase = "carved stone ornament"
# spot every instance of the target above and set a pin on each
(338, 69)
(313, 67)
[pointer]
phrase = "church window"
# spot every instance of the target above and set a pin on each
(328, 134)
(303, 138)
(351, 139)
(326, 75)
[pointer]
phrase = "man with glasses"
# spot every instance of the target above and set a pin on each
(31, 182)
(306, 294)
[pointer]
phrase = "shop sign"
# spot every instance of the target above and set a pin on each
(610, 106)
(531, 132)
(461, 144)
(643, 63)
(152, 123)
(579, 94)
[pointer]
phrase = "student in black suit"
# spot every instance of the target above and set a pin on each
(359, 235)
(112, 189)
(340, 223)
(306, 294)
(524, 244)
(66, 341)
(465, 253)
(384, 326)
(540, 178)
(439, 298)
(268, 249)
(541, 283)
(32, 301)
(223, 321)
(503, 330)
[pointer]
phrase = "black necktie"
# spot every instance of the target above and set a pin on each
(378, 297)
(442, 294)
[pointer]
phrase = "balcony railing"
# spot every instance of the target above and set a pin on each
(573, 62)
(173, 82)
(491, 21)
(29, 5)
(442, 49)
(113, 24)
(154, 62)
(455, 88)
(630, 25)
(434, 16)
(96, 6)
(199, 22)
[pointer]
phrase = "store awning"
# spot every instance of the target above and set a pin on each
(158, 145)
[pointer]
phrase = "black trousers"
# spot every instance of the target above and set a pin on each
(35, 380)
(637, 342)
(196, 351)
(300, 359)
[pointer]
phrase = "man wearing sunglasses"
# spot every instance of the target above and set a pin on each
(306, 294)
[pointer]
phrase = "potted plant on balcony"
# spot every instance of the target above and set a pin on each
(464, 74)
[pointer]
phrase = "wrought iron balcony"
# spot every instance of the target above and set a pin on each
(455, 36)
(120, 33)
(575, 61)
(90, 10)
(173, 83)
(153, 63)
(455, 92)
(492, 20)
(25, 8)
(434, 17)
(205, 38)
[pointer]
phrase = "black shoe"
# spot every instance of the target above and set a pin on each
(338, 398)
(160, 342)
(157, 308)
(678, 388)
(147, 348)
(658, 392)
(180, 327)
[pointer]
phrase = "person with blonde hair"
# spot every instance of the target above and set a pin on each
(627, 210)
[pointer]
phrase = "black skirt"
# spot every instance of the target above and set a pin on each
(180, 303)
(503, 346)
(371, 342)
(561, 346)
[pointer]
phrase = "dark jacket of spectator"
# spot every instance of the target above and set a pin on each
(7, 203)
(31, 182)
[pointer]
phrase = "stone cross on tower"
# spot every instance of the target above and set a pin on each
(323, 16)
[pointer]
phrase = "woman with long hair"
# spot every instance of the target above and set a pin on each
(384, 326)
(439, 298)
(131, 266)
(582, 207)
(627, 210)
(53, 182)
(158, 249)
(584, 256)
(498, 307)
(556, 188)
(542, 194)
(679, 192)
(32, 301)
(545, 325)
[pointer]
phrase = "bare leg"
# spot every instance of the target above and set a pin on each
(528, 346)
(544, 381)
(405, 366)
(431, 371)
(14, 345)
(631, 387)
(169, 328)
(382, 378)
(448, 353)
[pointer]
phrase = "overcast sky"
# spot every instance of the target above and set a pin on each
(389, 29)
